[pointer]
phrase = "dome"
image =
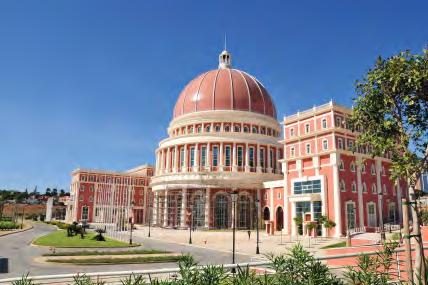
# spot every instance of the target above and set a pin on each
(224, 89)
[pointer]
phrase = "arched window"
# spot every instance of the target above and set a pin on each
(217, 128)
(372, 169)
(221, 212)
(325, 144)
(373, 189)
(255, 130)
(340, 143)
(342, 186)
(208, 129)
(341, 165)
(384, 188)
(292, 152)
(364, 188)
(244, 212)
(198, 210)
(237, 129)
(227, 128)
(307, 128)
(292, 132)
(363, 167)
(353, 187)
(308, 148)
(352, 166)
(246, 129)
(324, 123)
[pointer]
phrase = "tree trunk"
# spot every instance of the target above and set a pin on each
(407, 244)
(420, 266)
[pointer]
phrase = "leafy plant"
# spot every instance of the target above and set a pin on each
(133, 280)
(25, 280)
(85, 280)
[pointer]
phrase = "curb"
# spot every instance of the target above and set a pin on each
(18, 231)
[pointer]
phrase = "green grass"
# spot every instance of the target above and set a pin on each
(335, 245)
(123, 260)
(117, 252)
(59, 239)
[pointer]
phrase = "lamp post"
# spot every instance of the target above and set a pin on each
(131, 222)
(150, 212)
(234, 195)
(382, 230)
(190, 222)
(348, 234)
(257, 226)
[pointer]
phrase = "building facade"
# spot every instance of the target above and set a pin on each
(95, 194)
(223, 139)
(327, 174)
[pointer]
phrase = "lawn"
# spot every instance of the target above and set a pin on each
(121, 260)
(335, 245)
(109, 252)
(59, 239)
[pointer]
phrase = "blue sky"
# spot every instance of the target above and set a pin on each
(93, 83)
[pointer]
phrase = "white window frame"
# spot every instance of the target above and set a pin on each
(341, 165)
(368, 214)
(325, 144)
(353, 187)
(307, 128)
(308, 148)
(324, 123)
(292, 151)
(340, 143)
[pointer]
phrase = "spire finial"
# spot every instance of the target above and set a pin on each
(225, 58)
(225, 42)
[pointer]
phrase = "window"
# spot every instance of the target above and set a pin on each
(246, 129)
(292, 152)
(199, 129)
(391, 213)
(353, 187)
(338, 121)
(262, 131)
(85, 212)
(240, 156)
(81, 198)
(383, 170)
(182, 160)
(266, 196)
(279, 195)
(227, 128)
(237, 128)
(191, 130)
(308, 148)
(384, 188)
(91, 199)
(307, 128)
(350, 145)
(173, 157)
(340, 143)
(251, 155)
(372, 169)
(350, 215)
(364, 188)
(307, 187)
(292, 132)
(227, 154)
(208, 128)
(373, 189)
(342, 186)
(91, 188)
(371, 213)
(82, 188)
(325, 144)
(352, 166)
(262, 157)
(215, 155)
(217, 128)
(271, 158)
(341, 165)
(203, 156)
(363, 168)
(255, 131)
(324, 123)
(192, 156)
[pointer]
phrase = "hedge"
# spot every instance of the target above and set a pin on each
(8, 226)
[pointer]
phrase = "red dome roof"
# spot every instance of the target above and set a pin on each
(224, 89)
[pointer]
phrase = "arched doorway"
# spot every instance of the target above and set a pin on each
(266, 214)
(221, 212)
(279, 219)
(244, 220)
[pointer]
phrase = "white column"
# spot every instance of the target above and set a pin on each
(165, 209)
(358, 161)
(336, 194)
(268, 168)
(196, 154)
(168, 160)
(184, 169)
(208, 156)
(293, 223)
(207, 207)
(157, 162)
(278, 164)
(234, 167)
(162, 161)
(155, 208)
(247, 158)
(271, 204)
(221, 157)
(379, 191)
(258, 168)
(285, 194)
(175, 159)
(183, 207)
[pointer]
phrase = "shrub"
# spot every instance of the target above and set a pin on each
(99, 236)
(5, 225)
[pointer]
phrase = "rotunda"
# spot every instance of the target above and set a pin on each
(223, 139)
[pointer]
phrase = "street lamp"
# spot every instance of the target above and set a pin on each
(190, 223)
(150, 212)
(131, 222)
(257, 226)
(234, 195)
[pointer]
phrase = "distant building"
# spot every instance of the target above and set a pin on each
(94, 194)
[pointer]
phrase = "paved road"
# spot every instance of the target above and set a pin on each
(21, 254)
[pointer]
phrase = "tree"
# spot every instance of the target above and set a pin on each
(61, 192)
(392, 109)
(54, 192)
(48, 192)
